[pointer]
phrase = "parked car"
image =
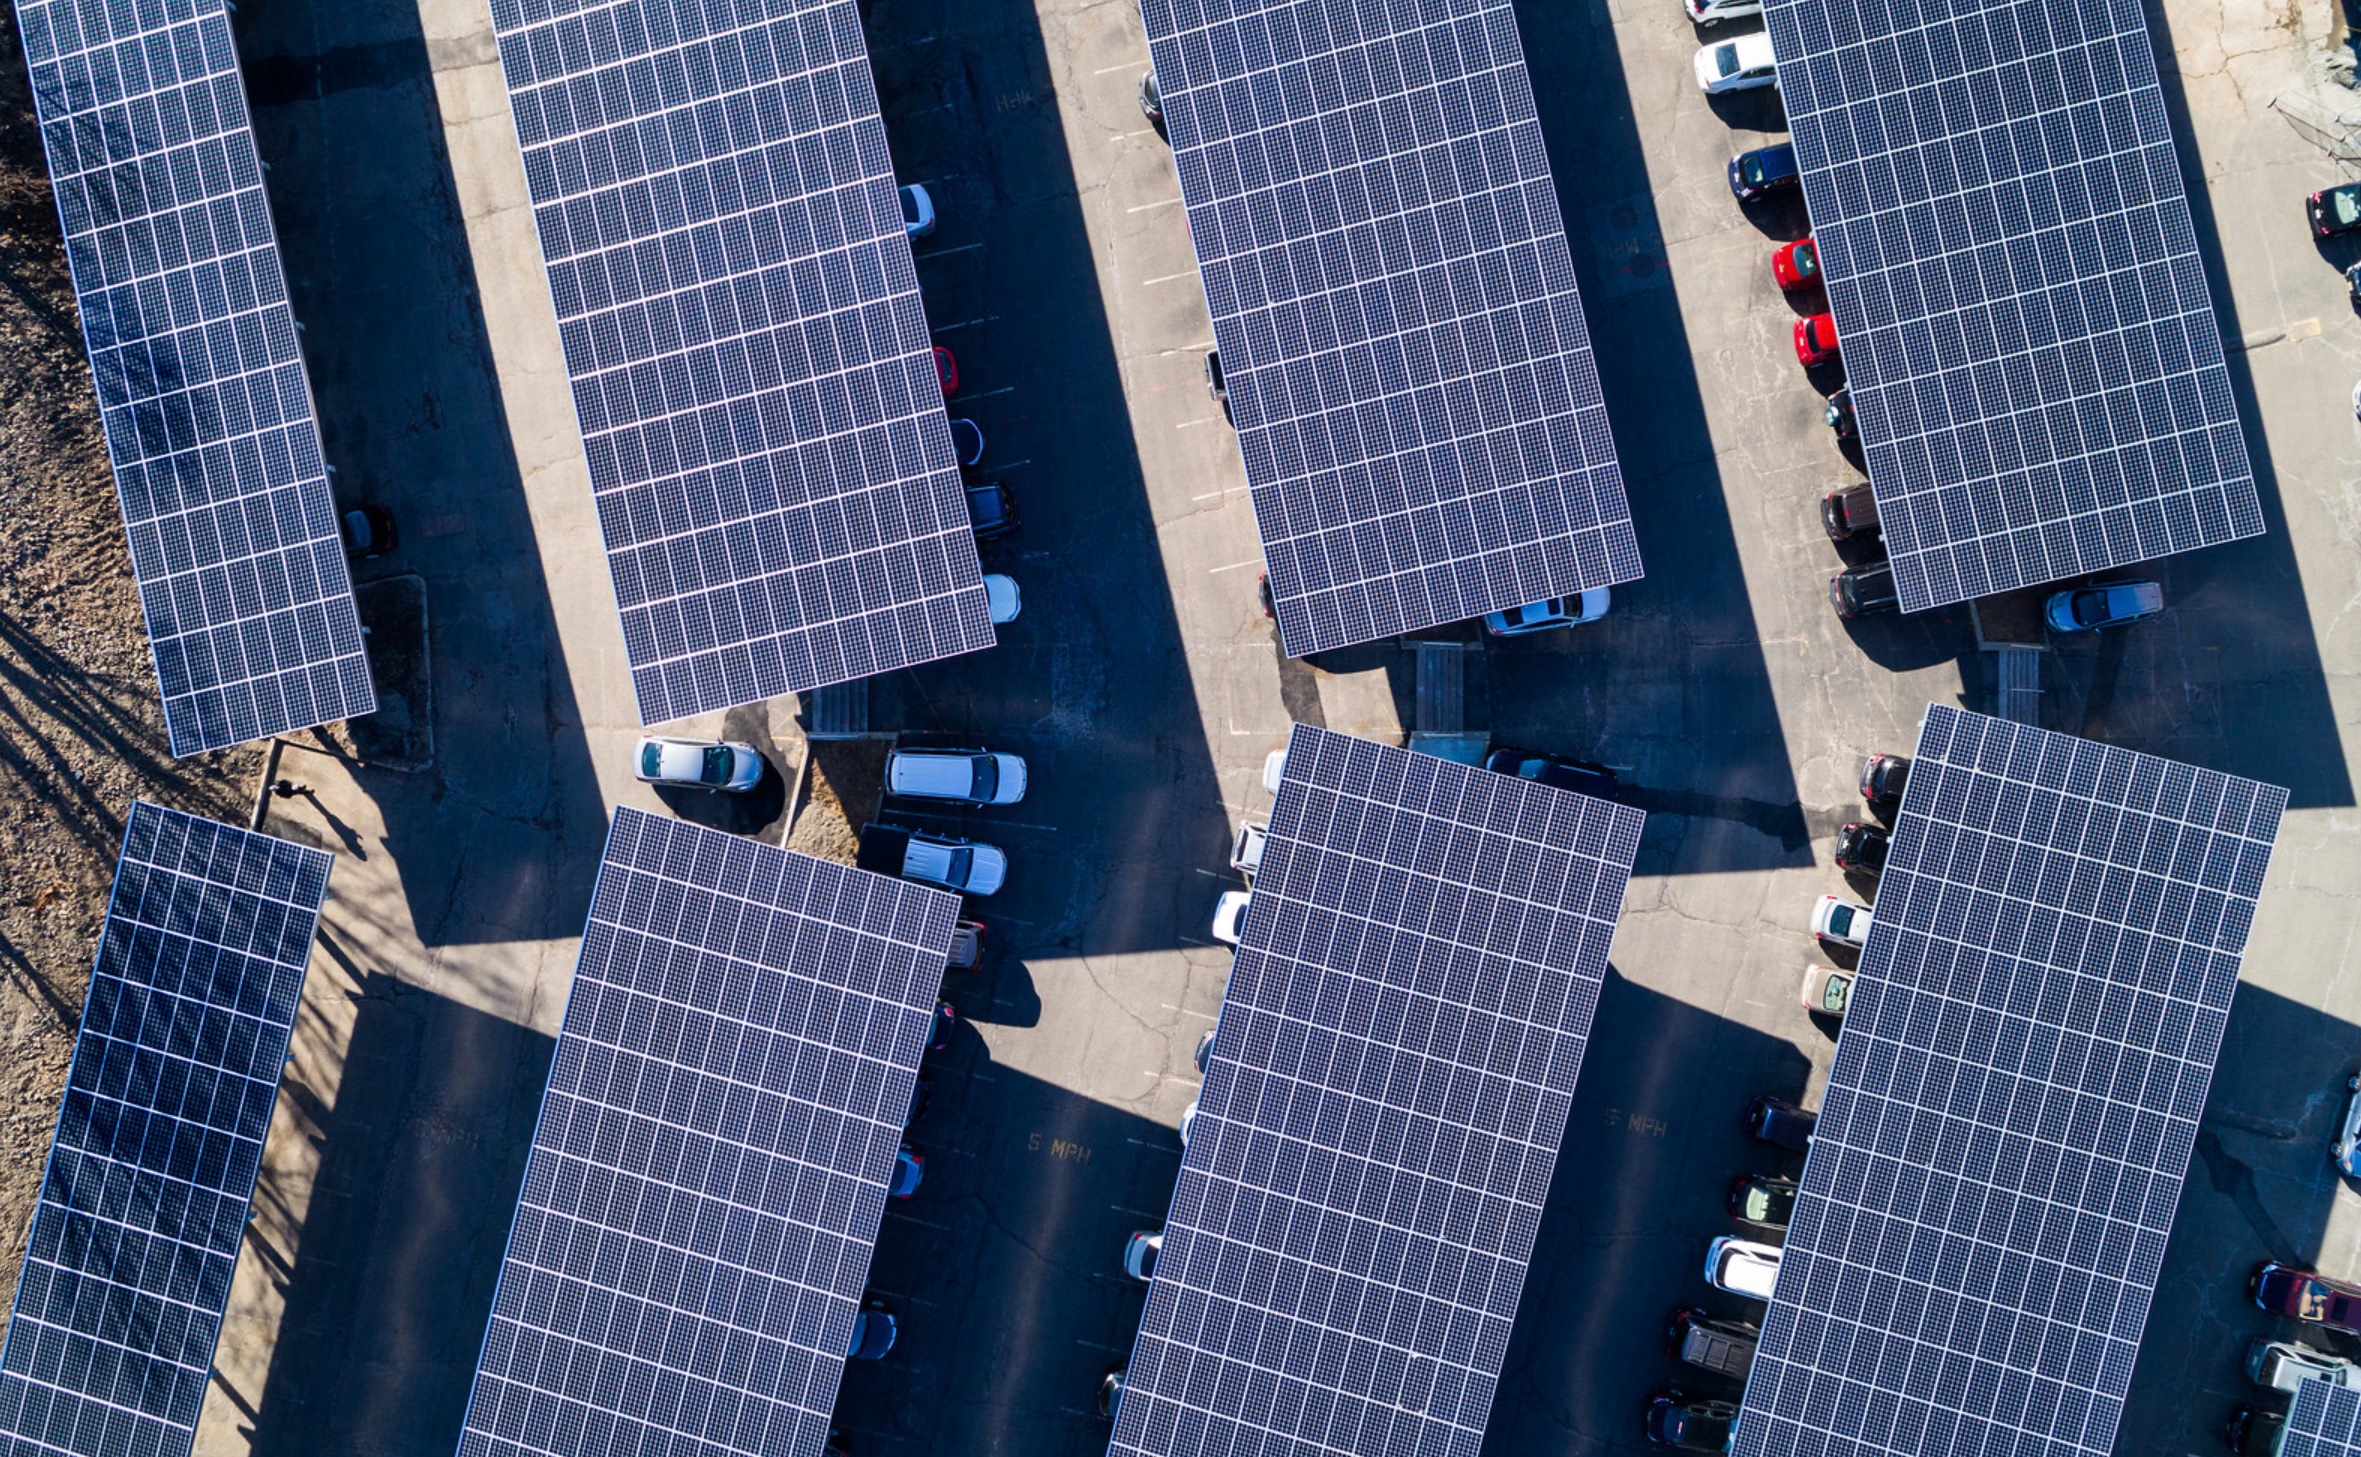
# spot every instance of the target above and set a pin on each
(922, 1093)
(1706, 12)
(1780, 1123)
(1579, 775)
(1849, 513)
(1675, 1420)
(961, 776)
(368, 531)
(1001, 597)
(1742, 1266)
(1215, 385)
(1839, 413)
(1864, 590)
(909, 1172)
(946, 371)
(1552, 612)
(944, 1028)
(918, 210)
(2253, 1433)
(1883, 777)
(1274, 768)
(1229, 916)
(2110, 605)
(1724, 1347)
(1111, 1392)
(2287, 1365)
(2302, 1295)
(1862, 847)
(967, 441)
(1205, 1052)
(1140, 1251)
(1842, 921)
(1763, 171)
(1761, 1199)
(873, 1332)
(956, 865)
(1825, 989)
(1740, 63)
(991, 510)
(1815, 340)
(1188, 1121)
(2334, 210)
(1246, 847)
(967, 946)
(2346, 1151)
(1797, 264)
(1152, 101)
(729, 767)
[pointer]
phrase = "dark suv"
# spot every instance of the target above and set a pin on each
(1763, 171)
(1849, 513)
(991, 510)
(1693, 1426)
(1883, 778)
(1780, 1123)
(1860, 591)
(1862, 847)
(1580, 775)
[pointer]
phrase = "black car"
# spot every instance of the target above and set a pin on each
(991, 510)
(369, 531)
(1761, 1199)
(1863, 590)
(2253, 1433)
(1849, 513)
(1111, 1392)
(1763, 171)
(922, 1093)
(1580, 775)
(1693, 1426)
(1862, 847)
(946, 1025)
(1839, 413)
(1780, 1123)
(1883, 778)
(2336, 210)
(967, 442)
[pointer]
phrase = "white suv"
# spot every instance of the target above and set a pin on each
(967, 776)
(1742, 1267)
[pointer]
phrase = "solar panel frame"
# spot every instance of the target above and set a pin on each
(710, 1163)
(1390, 1081)
(1401, 335)
(751, 365)
(2035, 362)
(2025, 1054)
(2324, 1420)
(160, 1130)
(209, 421)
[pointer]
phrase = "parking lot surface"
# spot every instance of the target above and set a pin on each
(1143, 686)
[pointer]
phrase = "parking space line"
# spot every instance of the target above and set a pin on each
(935, 814)
(1187, 1012)
(1096, 1345)
(1199, 346)
(1012, 465)
(1190, 424)
(1167, 278)
(1143, 1143)
(1006, 389)
(1146, 206)
(914, 1219)
(968, 324)
(947, 252)
(1249, 562)
(1217, 495)
(1111, 70)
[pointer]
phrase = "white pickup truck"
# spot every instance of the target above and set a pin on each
(955, 865)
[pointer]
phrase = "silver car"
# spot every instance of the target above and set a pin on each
(697, 764)
(2346, 1151)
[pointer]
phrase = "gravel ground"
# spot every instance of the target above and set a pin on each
(81, 732)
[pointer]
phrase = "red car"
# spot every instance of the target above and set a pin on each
(946, 371)
(1796, 265)
(1815, 339)
(2302, 1295)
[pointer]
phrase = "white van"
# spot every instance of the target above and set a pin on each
(968, 776)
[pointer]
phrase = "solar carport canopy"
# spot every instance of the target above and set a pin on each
(2025, 1055)
(1403, 344)
(1389, 1085)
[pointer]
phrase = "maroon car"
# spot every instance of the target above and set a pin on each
(2302, 1295)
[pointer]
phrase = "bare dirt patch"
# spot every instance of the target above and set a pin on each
(848, 779)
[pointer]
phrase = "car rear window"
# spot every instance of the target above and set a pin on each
(987, 780)
(2345, 206)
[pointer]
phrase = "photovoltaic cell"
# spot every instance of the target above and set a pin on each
(751, 363)
(710, 1166)
(2025, 1055)
(2323, 1421)
(208, 416)
(1401, 337)
(159, 1138)
(1390, 1080)
(2035, 363)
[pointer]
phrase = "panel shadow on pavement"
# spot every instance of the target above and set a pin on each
(1672, 683)
(381, 273)
(1090, 683)
(2231, 677)
(1655, 1137)
(422, 1132)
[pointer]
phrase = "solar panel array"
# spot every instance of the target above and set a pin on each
(2323, 1421)
(2035, 361)
(709, 1169)
(2025, 1055)
(1395, 306)
(159, 1138)
(1390, 1082)
(208, 416)
(751, 363)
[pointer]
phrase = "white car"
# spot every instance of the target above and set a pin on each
(963, 776)
(1246, 849)
(2346, 1151)
(918, 211)
(1003, 598)
(697, 764)
(1842, 921)
(1188, 1121)
(1742, 1266)
(1550, 613)
(1740, 63)
(1274, 768)
(1706, 12)
(1825, 989)
(1139, 1253)
(1229, 916)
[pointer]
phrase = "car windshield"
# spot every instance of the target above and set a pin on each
(2344, 204)
(1840, 921)
(1832, 996)
(987, 776)
(1807, 259)
(961, 860)
(1725, 59)
(1750, 169)
(1758, 1201)
(2090, 605)
(651, 759)
(717, 765)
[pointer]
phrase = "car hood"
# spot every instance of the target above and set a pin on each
(988, 872)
